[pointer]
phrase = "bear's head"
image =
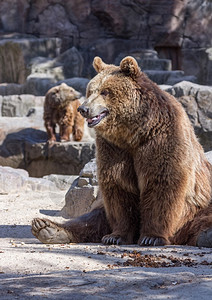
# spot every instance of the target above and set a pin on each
(113, 97)
(62, 94)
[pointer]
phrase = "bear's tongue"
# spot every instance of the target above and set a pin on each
(95, 120)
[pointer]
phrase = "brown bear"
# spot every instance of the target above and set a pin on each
(155, 180)
(60, 107)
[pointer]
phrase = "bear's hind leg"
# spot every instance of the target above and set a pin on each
(197, 232)
(90, 227)
(50, 128)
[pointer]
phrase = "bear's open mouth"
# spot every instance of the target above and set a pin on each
(95, 120)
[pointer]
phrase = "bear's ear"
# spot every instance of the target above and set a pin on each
(98, 64)
(129, 66)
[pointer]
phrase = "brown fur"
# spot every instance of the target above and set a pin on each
(60, 107)
(155, 180)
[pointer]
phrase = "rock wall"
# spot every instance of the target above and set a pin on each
(179, 30)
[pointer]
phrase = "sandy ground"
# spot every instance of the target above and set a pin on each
(29, 269)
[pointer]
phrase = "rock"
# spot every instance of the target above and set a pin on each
(28, 149)
(80, 200)
(45, 67)
(68, 64)
(13, 67)
(83, 195)
(40, 184)
(89, 169)
(17, 106)
(83, 181)
(197, 101)
(1, 100)
(11, 180)
(61, 158)
(209, 156)
(156, 64)
(63, 182)
(72, 63)
(16, 53)
(39, 84)
(165, 77)
(18, 180)
(78, 83)
(11, 89)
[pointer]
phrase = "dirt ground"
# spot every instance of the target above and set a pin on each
(31, 270)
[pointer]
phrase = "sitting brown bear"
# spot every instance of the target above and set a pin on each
(155, 180)
(60, 107)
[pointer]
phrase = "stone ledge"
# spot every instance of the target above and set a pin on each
(28, 149)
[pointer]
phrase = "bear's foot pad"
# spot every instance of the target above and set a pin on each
(205, 239)
(152, 241)
(48, 232)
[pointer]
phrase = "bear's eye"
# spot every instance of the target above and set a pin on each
(104, 93)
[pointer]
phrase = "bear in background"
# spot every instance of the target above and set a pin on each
(155, 181)
(60, 107)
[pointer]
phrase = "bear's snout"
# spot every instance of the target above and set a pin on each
(84, 110)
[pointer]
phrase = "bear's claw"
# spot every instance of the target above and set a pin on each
(152, 241)
(111, 240)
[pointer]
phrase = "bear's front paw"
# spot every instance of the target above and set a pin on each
(152, 241)
(111, 239)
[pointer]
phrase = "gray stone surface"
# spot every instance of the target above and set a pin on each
(89, 170)
(29, 269)
(62, 182)
(18, 180)
(83, 195)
